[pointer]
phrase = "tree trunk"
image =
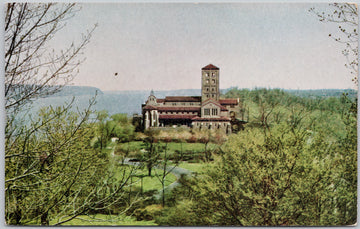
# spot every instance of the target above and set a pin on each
(44, 219)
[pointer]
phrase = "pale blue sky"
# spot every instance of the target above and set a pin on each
(163, 46)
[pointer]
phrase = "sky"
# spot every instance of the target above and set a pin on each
(163, 46)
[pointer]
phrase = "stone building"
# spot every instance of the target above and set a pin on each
(207, 111)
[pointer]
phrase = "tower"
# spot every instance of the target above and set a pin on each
(210, 83)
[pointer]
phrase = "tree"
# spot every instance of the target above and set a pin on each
(152, 151)
(52, 174)
(32, 70)
(121, 127)
(165, 168)
(103, 132)
(292, 176)
(346, 16)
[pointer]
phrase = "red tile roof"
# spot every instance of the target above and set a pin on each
(197, 118)
(214, 102)
(149, 107)
(210, 67)
(160, 108)
(183, 99)
(228, 101)
(222, 108)
(160, 100)
(176, 116)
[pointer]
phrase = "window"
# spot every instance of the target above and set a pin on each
(207, 96)
(212, 89)
(214, 112)
(207, 81)
(174, 104)
(213, 81)
(207, 89)
(206, 111)
(213, 74)
(207, 74)
(191, 104)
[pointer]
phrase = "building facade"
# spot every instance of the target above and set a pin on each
(207, 111)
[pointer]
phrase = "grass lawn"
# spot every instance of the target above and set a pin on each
(172, 146)
(106, 220)
(149, 183)
(194, 167)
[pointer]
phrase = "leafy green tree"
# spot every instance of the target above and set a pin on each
(290, 177)
(121, 127)
(102, 129)
(52, 173)
(118, 126)
(345, 172)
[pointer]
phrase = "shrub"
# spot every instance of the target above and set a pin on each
(179, 215)
(148, 213)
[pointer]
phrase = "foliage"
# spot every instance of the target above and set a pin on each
(297, 168)
(148, 213)
(179, 215)
(118, 127)
(52, 172)
(292, 171)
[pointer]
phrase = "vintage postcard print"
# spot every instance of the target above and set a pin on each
(181, 114)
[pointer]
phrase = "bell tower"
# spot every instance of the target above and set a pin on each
(210, 83)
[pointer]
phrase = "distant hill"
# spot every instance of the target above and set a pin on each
(130, 101)
(77, 90)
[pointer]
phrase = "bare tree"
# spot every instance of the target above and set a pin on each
(32, 69)
(346, 16)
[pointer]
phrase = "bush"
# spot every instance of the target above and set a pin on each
(148, 213)
(179, 215)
